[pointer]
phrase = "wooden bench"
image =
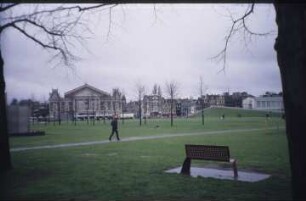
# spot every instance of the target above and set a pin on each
(207, 152)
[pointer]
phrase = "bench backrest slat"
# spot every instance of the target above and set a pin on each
(207, 152)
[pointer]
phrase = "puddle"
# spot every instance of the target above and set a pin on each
(222, 174)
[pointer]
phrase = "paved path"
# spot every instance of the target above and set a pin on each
(138, 138)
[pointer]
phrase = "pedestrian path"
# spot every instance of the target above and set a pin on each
(128, 139)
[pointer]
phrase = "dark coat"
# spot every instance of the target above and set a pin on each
(114, 124)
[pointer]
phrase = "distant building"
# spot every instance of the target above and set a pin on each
(132, 107)
(166, 107)
(85, 101)
(188, 107)
(152, 105)
(268, 103)
(214, 100)
(155, 106)
(249, 103)
(235, 99)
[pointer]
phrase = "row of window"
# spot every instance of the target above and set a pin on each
(85, 105)
(269, 104)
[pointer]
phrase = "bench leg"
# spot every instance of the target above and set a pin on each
(186, 167)
(235, 169)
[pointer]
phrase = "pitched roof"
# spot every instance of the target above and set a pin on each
(73, 91)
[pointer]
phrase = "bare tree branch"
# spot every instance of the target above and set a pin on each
(44, 28)
(58, 28)
(4, 8)
(64, 53)
(140, 89)
(110, 22)
(172, 89)
(33, 38)
(237, 25)
(60, 9)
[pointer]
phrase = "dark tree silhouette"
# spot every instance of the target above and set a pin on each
(290, 46)
(202, 90)
(44, 27)
(155, 89)
(171, 90)
(140, 89)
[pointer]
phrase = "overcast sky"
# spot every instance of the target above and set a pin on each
(147, 45)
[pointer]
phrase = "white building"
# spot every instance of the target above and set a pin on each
(249, 103)
(267, 103)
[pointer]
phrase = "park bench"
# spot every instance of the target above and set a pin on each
(207, 152)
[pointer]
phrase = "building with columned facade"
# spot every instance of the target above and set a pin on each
(86, 101)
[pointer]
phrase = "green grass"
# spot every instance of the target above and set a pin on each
(134, 170)
(236, 112)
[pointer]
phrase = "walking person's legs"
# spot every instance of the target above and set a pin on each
(117, 135)
(111, 135)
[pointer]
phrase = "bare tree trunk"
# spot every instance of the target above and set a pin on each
(5, 157)
(291, 56)
(59, 113)
(75, 113)
(202, 116)
(104, 116)
(202, 107)
(140, 116)
(171, 114)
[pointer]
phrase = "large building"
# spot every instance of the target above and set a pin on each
(86, 101)
(267, 103)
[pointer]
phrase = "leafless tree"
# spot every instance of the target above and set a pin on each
(55, 28)
(123, 104)
(159, 91)
(116, 100)
(140, 89)
(239, 26)
(290, 46)
(172, 92)
(202, 90)
(155, 89)
(93, 109)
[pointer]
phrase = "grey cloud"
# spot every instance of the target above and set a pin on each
(176, 45)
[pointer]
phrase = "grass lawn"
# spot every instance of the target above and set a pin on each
(134, 170)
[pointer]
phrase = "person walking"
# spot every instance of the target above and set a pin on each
(114, 125)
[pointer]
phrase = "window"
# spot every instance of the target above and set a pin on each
(70, 106)
(108, 105)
